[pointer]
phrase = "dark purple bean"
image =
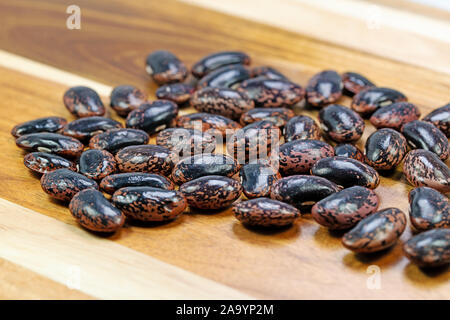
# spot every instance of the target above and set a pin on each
(126, 98)
(350, 151)
(218, 60)
(186, 142)
(354, 83)
(257, 178)
(301, 128)
(164, 67)
(153, 117)
(430, 248)
(267, 72)
(440, 117)
(369, 100)
(429, 209)
(88, 127)
(341, 123)
(395, 115)
(225, 77)
(47, 124)
(96, 164)
(324, 88)
(114, 182)
(43, 162)
(83, 102)
(279, 116)
(179, 93)
(385, 149)
(207, 121)
(116, 139)
(145, 158)
(51, 143)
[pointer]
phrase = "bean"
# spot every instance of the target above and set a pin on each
(47, 124)
(96, 164)
(223, 101)
(385, 149)
(207, 121)
(225, 77)
(186, 142)
(302, 191)
(114, 182)
(85, 128)
(346, 172)
(42, 162)
(301, 128)
(126, 98)
(63, 184)
(94, 212)
(204, 165)
(324, 88)
(145, 158)
(344, 209)
(395, 115)
(425, 135)
(430, 248)
(164, 67)
(179, 93)
(211, 192)
(429, 209)
(51, 143)
(440, 118)
(264, 212)
(298, 156)
(341, 123)
(350, 151)
(376, 232)
(153, 117)
(424, 168)
(354, 83)
(218, 60)
(369, 100)
(115, 139)
(257, 178)
(83, 102)
(279, 116)
(267, 72)
(272, 93)
(149, 204)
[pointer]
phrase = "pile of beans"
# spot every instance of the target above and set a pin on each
(107, 172)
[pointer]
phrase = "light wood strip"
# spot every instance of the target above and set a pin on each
(377, 29)
(96, 266)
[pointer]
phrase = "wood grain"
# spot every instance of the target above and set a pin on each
(305, 261)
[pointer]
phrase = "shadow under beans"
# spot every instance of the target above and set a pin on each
(154, 224)
(392, 174)
(426, 277)
(209, 212)
(384, 258)
(329, 239)
(266, 236)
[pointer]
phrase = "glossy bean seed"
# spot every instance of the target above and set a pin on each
(47, 124)
(279, 116)
(125, 98)
(223, 101)
(350, 151)
(51, 143)
(346, 172)
(424, 168)
(204, 165)
(324, 88)
(267, 72)
(83, 102)
(42, 162)
(341, 123)
(149, 204)
(302, 191)
(218, 60)
(395, 115)
(425, 135)
(385, 149)
(253, 141)
(354, 83)
(371, 99)
(298, 156)
(207, 121)
(179, 93)
(186, 142)
(94, 212)
(440, 117)
(257, 178)
(88, 127)
(211, 192)
(225, 77)
(428, 209)
(63, 184)
(376, 232)
(429, 249)
(264, 212)
(115, 139)
(153, 117)
(164, 67)
(114, 182)
(301, 128)
(272, 93)
(344, 209)
(145, 158)
(96, 164)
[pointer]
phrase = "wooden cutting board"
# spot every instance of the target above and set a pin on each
(44, 254)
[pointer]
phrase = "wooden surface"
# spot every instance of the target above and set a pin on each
(207, 254)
